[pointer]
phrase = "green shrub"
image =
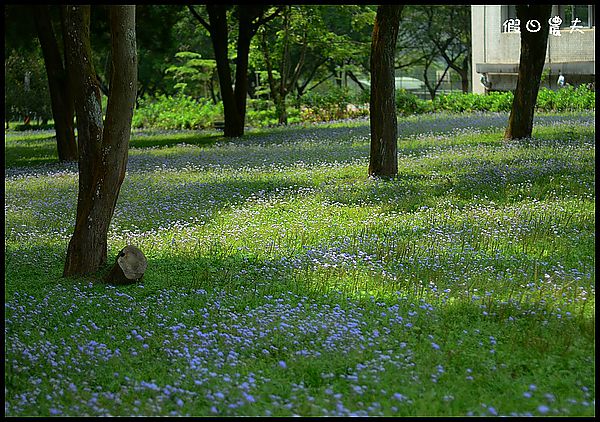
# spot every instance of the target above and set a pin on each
(499, 101)
(565, 99)
(334, 104)
(568, 98)
(176, 112)
(459, 102)
(408, 103)
(184, 112)
(260, 113)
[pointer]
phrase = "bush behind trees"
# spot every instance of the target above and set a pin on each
(185, 112)
(176, 112)
(26, 87)
(566, 99)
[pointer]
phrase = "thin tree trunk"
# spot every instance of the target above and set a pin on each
(275, 90)
(280, 105)
(464, 74)
(241, 72)
(103, 149)
(58, 84)
(531, 64)
(384, 124)
(433, 89)
(246, 30)
(219, 36)
(464, 82)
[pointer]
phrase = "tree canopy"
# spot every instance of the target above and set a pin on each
(294, 50)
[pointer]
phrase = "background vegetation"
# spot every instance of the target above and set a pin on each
(182, 112)
(316, 54)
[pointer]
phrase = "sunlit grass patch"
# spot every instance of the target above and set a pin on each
(282, 280)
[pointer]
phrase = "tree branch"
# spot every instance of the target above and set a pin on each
(300, 64)
(321, 81)
(355, 79)
(264, 19)
(311, 75)
(199, 18)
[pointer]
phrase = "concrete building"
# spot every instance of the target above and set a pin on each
(496, 46)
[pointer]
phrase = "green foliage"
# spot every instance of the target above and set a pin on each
(459, 102)
(333, 104)
(565, 99)
(306, 44)
(408, 103)
(184, 112)
(176, 112)
(159, 37)
(262, 113)
(26, 87)
(193, 75)
(568, 98)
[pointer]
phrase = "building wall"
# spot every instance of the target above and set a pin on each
(572, 53)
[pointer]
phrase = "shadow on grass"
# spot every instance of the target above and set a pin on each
(30, 152)
(42, 149)
(166, 139)
(251, 278)
(503, 182)
(171, 200)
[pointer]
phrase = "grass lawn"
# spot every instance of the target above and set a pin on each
(282, 280)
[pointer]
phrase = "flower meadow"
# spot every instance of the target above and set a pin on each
(283, 281)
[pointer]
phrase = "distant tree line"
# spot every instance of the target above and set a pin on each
(231, 52)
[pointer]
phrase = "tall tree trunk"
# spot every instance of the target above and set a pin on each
(464, 74)
(273, 87)
(531, 64)
(280, 105)
(384, 124)
(219, 36)
(103, 148)
(58, 84)
(246, 30)
(464, 82)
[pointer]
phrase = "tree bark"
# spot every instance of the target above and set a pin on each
(464, 75)
(384, 124)
(531, 65)
(247, 13)
(58, 84)
(279, 102)
(219, 36)
(103, 148)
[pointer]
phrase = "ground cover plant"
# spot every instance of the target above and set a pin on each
(282, 280)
